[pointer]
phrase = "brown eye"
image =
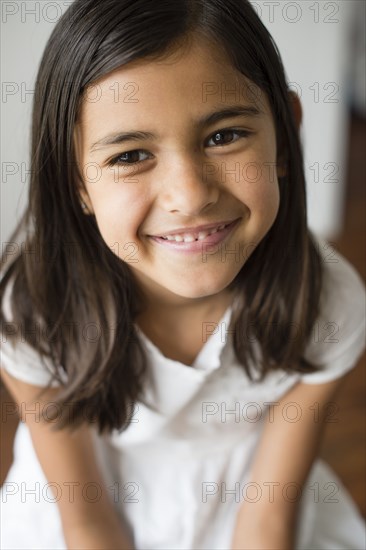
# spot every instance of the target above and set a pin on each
(222, 137)
(225, 137)
(130, 157)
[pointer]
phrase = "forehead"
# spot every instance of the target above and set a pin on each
(183, 83)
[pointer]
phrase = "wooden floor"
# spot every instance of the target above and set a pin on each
(344, 442)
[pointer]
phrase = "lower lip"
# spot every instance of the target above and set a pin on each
(198, 246)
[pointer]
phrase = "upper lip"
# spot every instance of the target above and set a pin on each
(194, 229)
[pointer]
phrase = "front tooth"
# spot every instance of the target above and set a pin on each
(189, 238)
(202, 235)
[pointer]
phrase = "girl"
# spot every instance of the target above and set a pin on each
(172, 331)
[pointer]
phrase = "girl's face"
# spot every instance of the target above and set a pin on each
(179, 163)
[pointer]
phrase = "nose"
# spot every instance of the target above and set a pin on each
(184, 188)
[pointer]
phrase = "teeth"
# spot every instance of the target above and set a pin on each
(190, 237)
(202, 235)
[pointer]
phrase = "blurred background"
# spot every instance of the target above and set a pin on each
(322, 44)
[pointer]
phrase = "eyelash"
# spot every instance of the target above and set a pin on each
(116, 160)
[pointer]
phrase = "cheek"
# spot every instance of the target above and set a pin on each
(119, 211)
(258, 188)
(256, 172)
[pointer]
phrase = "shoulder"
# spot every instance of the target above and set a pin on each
(17, 357)
(338, 337)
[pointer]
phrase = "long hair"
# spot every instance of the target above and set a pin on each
(73, 300)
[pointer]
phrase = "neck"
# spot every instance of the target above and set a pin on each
(176, 329)
(175, 315)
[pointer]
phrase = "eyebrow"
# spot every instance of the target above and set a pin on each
(206, 120)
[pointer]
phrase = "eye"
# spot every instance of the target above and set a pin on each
(130, 157)
(226, 137)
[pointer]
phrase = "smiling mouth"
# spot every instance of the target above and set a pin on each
(191, 237)
(193, 240)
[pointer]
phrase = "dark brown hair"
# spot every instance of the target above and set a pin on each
(66, 278)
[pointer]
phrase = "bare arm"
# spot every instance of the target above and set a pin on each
(285, 455)
(68, 459)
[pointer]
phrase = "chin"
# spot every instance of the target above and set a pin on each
(200, 289)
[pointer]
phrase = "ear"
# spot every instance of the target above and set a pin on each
(82, 193)
(85, 202)
(296, 108)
